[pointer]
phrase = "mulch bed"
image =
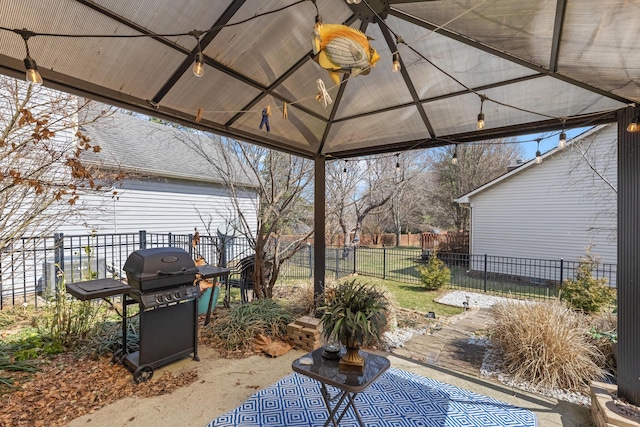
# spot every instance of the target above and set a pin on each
(68, 387)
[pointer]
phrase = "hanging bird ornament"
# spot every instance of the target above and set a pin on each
(342, 49)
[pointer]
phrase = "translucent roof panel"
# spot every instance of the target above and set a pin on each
(381, 88)
(540, 63)
(144, 13)
(522, 28)
(299, 130)
(450, 65)
(603, 52)
(265, 48)
(456, 115)
(214, 92)
(378, 129)
(301, 88)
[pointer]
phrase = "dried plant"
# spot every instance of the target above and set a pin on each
(298, 297)
(603, 332)
(546, 344)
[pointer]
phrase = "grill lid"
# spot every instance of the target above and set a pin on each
(159, 267)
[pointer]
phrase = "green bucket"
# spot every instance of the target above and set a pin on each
(203, 302)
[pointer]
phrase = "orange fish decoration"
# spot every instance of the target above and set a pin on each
(342, 49)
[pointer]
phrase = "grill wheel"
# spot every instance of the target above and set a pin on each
(142, 373)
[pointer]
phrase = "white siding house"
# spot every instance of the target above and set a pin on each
(553, 210)
(169, 188)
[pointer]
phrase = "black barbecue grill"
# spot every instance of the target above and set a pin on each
(162, 282)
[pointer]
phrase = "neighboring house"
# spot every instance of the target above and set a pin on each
(552, 210)
(167, 186)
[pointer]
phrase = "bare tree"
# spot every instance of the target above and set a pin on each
(341, 186)
(477, 164)
(408, 203)
(593, 168)
(364, 188)
(281, 181)
(42, 171)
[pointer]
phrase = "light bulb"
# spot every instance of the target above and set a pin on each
(538, 157)
(454, 160)
(198, 66)
(396, 62)
(397, 167)
(563, 140)
(481, 121)
(634, 126)
(32, 75)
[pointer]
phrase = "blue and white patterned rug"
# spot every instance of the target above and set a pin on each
(397, 399)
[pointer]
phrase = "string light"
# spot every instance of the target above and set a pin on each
(398, 163)
(538, 155)
(32, 74)
(562, 140)
(344, 171)
(198, 65)
(481, 115)
(454, 159)
(396, 62)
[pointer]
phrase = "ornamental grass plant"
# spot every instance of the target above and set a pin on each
(236, 329)
(354, 310)
(546, 344)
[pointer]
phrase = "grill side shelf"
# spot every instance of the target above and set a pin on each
(95, 289)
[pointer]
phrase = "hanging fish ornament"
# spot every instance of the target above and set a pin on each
(342, 49)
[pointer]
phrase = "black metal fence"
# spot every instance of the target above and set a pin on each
(33, 266)
(507, 276)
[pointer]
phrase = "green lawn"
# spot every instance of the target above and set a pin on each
(415, 297)
(408, 296)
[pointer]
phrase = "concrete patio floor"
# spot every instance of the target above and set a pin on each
(223, 384)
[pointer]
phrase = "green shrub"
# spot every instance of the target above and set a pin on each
(435, 274)
(546, 344)
(262, 316)
(68, 322)
(585, 293)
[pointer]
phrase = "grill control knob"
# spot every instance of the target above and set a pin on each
(159, 298)
(177, 294)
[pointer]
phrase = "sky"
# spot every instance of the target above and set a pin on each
(548, 142)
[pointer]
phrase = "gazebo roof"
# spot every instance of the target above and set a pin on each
(541, 64)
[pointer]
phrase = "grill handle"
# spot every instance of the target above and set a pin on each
(182, 272)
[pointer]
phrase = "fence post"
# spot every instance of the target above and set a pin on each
(561, 271)
(222, 243)
(337, 262)
(170, 237)
(143, 239)
(58, 256)
(384, 263)
(355, 250)
(310, 260)
(190, 243)
(485, 273)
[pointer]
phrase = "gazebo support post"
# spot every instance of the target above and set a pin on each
(628, 275)
(319, 248)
